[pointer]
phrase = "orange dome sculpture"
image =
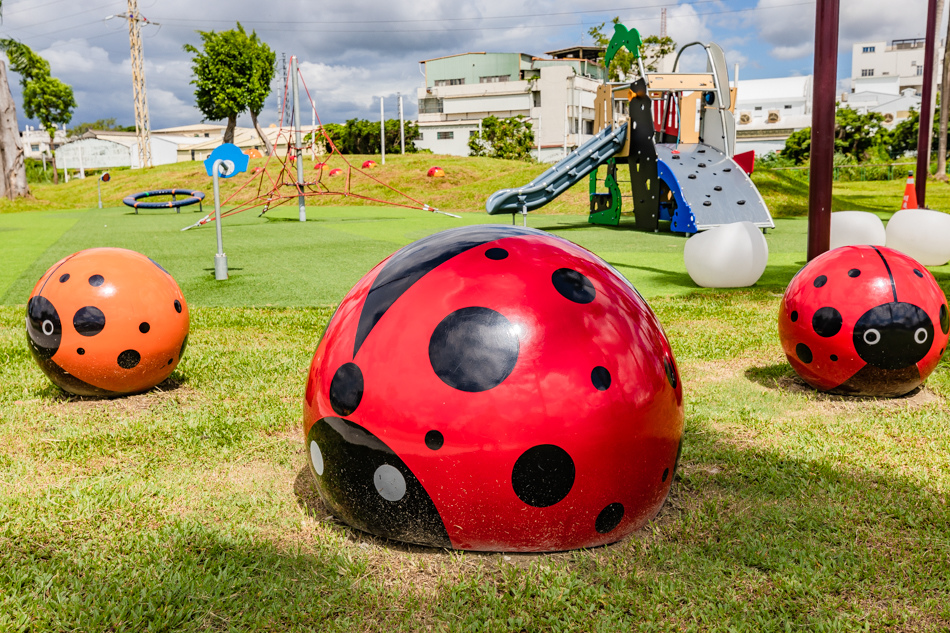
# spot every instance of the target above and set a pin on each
(107, 322)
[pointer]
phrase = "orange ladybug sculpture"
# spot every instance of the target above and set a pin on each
(107, 322)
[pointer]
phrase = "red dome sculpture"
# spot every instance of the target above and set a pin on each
(369, 164)
(107, 322)
(436, 172)
(336, 171)
(494, 388)
(864, 320)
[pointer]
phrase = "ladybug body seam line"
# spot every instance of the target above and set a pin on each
(52, 273)
(889, 273)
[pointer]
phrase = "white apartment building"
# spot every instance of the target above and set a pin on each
(555, 94)
(36, 142)
(874, 65)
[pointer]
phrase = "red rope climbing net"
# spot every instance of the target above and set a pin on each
(276, 185)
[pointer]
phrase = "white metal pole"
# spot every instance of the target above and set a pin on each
(297, 150)
(539, 137)
(99, 187)
(220, 259)
(382, 132)
(402, 127)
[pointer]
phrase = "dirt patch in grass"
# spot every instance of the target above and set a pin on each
(170, 390)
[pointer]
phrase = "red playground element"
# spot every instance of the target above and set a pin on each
(436, 172)
(336, 171)
(910, 194)
(746, 160)
(107, 322)
(864, 320)
(321, 166)
(369, 164)
(494, 388)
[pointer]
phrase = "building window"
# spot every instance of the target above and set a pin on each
(472, 133)
(867, 72)
(788, 107)
(757, 108)
(430, 105)
(588, 127)
(537, 99)
(913, 62)
(445, 136)
(920, 71)
(419, 138)
(493, 79)
(34, 148)
(867, 49)
(450, 82)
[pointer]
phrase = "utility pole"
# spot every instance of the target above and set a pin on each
(402, 127)
(138, 81)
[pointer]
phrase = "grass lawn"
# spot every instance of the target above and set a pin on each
(190, 507)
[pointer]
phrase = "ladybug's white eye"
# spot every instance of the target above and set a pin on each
(872, 337)
(920, 336)
(47, 327)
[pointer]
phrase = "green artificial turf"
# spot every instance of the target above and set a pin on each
(278, 261)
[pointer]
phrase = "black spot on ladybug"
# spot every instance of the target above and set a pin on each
(834, 358)
(64, 278)
(804, 353)
(367, 485)
(543, 475)
(144, 327)
(434, 440)
(159, 266)
(609, 518)
(854, 272)
(826, 322)
(346, 389)
(80, 351)
(670, 371)
(666, 473)
(96, 280)
(893, 335)
(128, 359)
(89, 320)
(600, 377)
(474, 349)
(820, 281)
(177, 306)
(43, 327)
(171, 360)
(793, 316)
(409, 264)
(496, 253)
(573, 286)
(944, 319)
(918, 273)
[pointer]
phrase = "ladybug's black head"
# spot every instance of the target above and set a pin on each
(893, 335)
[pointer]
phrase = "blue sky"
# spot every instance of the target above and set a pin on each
(354, 51)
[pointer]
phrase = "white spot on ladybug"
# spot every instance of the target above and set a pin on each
(389, 482)
(48, 327)
(872, 337)
(920, 336)
(316, 457)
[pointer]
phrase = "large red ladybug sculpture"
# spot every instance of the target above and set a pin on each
(864, 320)
(494, 388)
(107, 322)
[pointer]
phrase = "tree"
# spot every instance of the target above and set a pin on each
(652, 50)
(45, 98)
(232, 73)
(12, 167)
(856, 135)
(510, 138)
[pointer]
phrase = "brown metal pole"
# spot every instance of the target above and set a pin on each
(926, 107)
(823, 127)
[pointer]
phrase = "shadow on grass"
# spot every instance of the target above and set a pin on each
(782, 377)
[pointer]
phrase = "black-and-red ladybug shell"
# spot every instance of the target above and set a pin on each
(864, 320)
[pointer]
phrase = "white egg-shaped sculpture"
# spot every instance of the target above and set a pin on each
(727, 256)
(923, 234)
(855, 228)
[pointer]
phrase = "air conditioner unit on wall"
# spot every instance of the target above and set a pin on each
(773, 117)
(745, 118)
(888, 117)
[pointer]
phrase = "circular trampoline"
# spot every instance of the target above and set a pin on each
(142, 200)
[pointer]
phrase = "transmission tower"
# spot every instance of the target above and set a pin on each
(138, 80)
(663, 22)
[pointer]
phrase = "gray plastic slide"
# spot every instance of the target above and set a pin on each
(559, 178)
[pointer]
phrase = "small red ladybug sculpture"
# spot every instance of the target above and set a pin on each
(107, 322)
(864, 320)
(494, 388)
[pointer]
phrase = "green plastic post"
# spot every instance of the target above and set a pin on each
(622, 38)
(610, 214)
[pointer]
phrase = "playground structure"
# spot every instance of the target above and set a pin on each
(282, 179)
(683, 170)
(190, 197)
